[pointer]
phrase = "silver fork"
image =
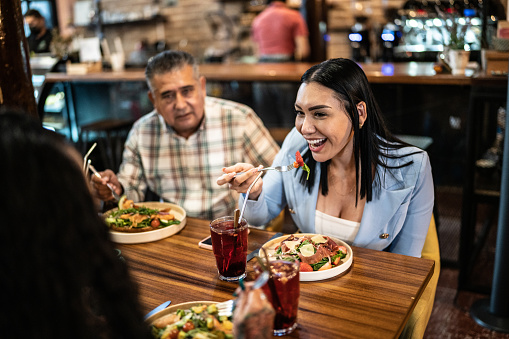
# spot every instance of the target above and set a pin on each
(275, 168)
(226, 308)
(115, 195)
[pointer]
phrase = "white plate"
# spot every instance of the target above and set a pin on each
(270, 246)
(142, 237)
(174, 308)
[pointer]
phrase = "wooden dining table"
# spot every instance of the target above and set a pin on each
(372, 299)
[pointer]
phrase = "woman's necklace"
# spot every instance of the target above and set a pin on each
(351, 190)
(334, 180)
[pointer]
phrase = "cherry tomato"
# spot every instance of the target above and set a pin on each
(155, 223)
(296, 164)
(188, 326)
(174, 334)
(305, 267)
(298, 158)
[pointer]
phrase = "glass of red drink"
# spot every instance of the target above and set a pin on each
(283, 290)
(229, 245)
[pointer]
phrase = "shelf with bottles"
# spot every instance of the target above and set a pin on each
(153, 19)
(427, 26)
(420, 8)
(116, 23)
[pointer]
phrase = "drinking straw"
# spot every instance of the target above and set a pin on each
(236, 220)
(85, 158)
(247, 195)
(236, 223)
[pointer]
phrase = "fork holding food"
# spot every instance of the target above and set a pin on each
(240, 176)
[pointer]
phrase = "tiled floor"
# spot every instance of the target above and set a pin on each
(451, 312)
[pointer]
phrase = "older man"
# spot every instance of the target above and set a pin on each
(178, 150)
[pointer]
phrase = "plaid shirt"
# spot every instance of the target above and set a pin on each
(184, 171)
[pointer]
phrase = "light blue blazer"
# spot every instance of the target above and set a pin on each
(396, 220)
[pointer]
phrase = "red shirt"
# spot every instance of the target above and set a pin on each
(275, 29)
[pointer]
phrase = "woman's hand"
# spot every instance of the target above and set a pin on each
(100, 189)
(241, 182)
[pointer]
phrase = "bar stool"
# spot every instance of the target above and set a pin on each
(111, 135)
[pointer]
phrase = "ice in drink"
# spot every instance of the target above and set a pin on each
(229, 245)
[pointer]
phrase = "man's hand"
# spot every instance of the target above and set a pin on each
(100, 189)
(241, 182)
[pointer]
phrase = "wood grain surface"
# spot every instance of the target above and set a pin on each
(373, 299)
(400, 73)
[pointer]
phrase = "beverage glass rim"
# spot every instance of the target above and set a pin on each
(290, 261)
(242, 226)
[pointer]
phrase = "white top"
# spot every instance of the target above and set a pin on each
(342, 229)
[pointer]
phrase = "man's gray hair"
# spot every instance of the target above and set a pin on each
(169, 61)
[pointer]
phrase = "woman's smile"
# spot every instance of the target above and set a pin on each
(316, 145)
(323, 122)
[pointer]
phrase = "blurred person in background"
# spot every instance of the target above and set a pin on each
(40, 37)
(176, 151)
(280, 34)
(62, 277)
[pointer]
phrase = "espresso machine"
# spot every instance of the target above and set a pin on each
(360, 40)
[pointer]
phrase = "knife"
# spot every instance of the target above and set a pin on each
(255, 252)
(157, 309)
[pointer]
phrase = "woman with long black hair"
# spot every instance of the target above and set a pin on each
(365, 187)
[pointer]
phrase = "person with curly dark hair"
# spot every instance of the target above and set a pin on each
(365, 187)
(61, 276)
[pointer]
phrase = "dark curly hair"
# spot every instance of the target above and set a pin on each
(370, 143)
(61, 276)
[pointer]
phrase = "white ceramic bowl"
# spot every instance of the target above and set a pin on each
(174, 308)
(142, 237)
(270, 246)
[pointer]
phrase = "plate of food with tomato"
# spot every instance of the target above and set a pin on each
(320, 256)
(134, 223)
(196, 319)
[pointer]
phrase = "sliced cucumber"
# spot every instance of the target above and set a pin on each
(110, 220)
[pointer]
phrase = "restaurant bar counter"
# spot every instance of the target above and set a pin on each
(372, 299)
(403, 73)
